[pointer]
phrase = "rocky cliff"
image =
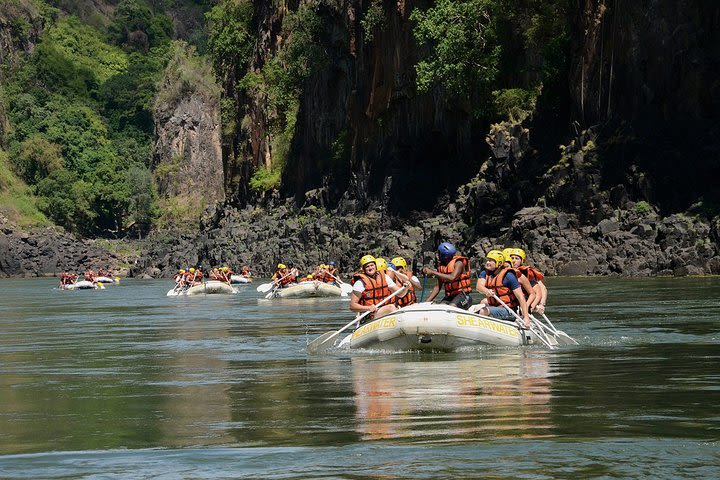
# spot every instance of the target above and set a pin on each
(47, 251)
(187, 155)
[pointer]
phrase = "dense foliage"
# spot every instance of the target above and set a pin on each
(475, 48)
(80, 106)
(81, 123)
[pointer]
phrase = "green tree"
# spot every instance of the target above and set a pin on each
(136, 27)
(142, 209)
(67, 201)
(464, 52)
(230, 38)
(36, 158)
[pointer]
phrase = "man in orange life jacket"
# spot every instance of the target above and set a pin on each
(497, 279)
(453, 274)
(516, 257)
(370, 287)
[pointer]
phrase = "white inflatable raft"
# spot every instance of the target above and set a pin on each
(307, 290)
(239, 279)
(436, 327)
(108, 280)
(83, 285)
(211, 287)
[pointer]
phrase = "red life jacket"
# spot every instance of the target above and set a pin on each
(532, 273)
(496, 283)
(376, 288)
(287, 280)
(460, 284)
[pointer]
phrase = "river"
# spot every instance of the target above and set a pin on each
(128, 383)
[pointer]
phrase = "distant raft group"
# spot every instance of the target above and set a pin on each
(219, 280)
(91, 280)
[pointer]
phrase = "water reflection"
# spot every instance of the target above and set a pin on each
(502, 395)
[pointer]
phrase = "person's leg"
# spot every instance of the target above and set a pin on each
(385, 310)
(461, 300)
(501, 312)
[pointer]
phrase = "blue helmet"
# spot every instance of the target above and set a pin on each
(332, 263)
(446, 251)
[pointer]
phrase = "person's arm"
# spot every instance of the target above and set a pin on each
(355, 303)
(528, 289)
(435, 291)
(511, 281)
(480, 287)
(542, 294)
(404, 278)
(446, 277)
(393, 287)
(523, 305)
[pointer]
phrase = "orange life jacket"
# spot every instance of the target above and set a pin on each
(287, 280)
(460, 284)
(376, 288)
(408, 299)
(496, 283)
(531, 273)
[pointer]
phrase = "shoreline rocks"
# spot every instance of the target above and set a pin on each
(632, 243)
(635, 242)
(47, 252)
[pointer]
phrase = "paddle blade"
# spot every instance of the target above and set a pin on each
(345, 288)
(265, 287)
(565, 339)
(322, 343)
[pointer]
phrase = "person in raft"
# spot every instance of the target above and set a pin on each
(399, 272)
(516, 256)
(453, 274)
(283, 276)
(497, 279)
(370, 287)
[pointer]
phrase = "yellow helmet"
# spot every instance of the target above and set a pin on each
(192, 270)
(281, 265)
(367, 259)
(399, 262)
(514, 251)
(381, 264)
(225, 269)
(182, 270)
(310, 275)
(496, 255)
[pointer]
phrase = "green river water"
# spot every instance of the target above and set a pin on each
(128, 383)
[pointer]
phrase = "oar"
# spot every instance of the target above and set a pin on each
(520, 320)
(267, 286)
(314, 346)
(559, 332)
(345, 288)
(270, 293)
(544, 329)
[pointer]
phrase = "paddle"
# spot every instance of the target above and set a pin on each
(314, 346)
(345, 288)
(267, 286)
(559, 332)
(520, 320)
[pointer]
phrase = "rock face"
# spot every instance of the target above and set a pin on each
(644, 72)
(47, 252)
(20, 27)
(363, 132)
(187, 156)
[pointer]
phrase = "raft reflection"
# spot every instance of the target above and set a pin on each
(504, 395)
